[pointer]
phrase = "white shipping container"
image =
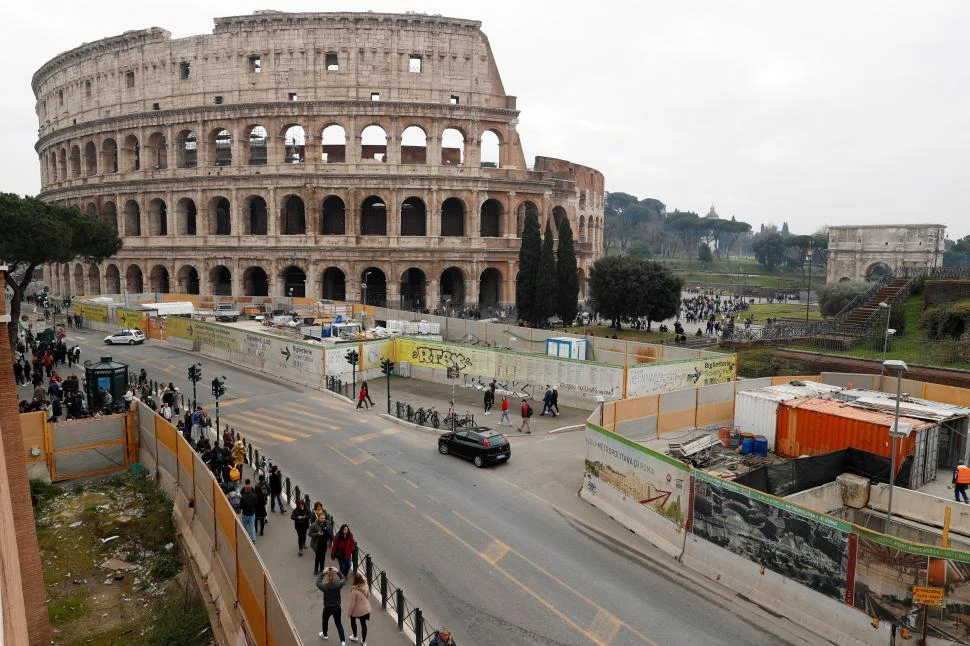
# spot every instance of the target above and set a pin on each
(566, 347)
(756, 411)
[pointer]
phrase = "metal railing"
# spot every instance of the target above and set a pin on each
(862, 298)
(341, 387)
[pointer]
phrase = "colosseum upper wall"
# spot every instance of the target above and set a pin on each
(291, 154)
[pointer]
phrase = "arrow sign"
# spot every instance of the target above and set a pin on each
(695, 376)
(665, 495)
(286, 352)
(189, 329)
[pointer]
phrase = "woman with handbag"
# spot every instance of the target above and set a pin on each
(319, 537)
(343, 548)
(359, 608)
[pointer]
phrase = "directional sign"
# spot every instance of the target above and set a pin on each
(188, 329)
(286, 352)
(928, 596)
(695, 376)
(453, 372)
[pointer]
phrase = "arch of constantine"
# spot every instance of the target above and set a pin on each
(866, 252)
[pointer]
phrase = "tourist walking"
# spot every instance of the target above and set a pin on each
(505, 412)
(320, 534)
(344, 545)
(262, 495)
(362, 396)
(442, 637)
(526, 412)
(359, 608)
(276, 489)
(329, 582)
(248, 501)
(301, 523)
(363, 385)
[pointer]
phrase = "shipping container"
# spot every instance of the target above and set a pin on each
(814, 426)
(756, 411)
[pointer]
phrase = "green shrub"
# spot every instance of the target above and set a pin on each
(946, 321)
(180, 619)
(165, 565)
(834, 296)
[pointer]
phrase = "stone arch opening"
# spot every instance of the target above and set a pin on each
(109, 156)
(490, 288)
(414, 145)
(845, 279)
(524, 209)
(112, 279)
(373, 285)
(132, 153)
(256, 217)
(589, 230)
(258, 140)
(413, 217)
(294, 282)
(490, 216)
(333, 144)
(220, 223)
(293, 220)
(221, 147)
(158, 150)
(373, 144)
(582, 228)
(333, 216)
(185, 217)
(188, 280)
(109, 214)
(413, 289)
(94, 280)
(452, 217)
(373, 216)
(62, 163)
(134, 280)
(452, 147)
(90, 159)
(188, 150)
(333, 284)
(294, 144)
(75, 161)
(581, 275)
(255, 282)
(158, 217)
(877, 270)
(52, 168)
(91, 209)
(220, 281)
(159, 280)
(558, 215)
(132, 218)
(490, 149)
(452, 288)
(79, 287)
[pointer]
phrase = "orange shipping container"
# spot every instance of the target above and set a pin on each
(813, 426)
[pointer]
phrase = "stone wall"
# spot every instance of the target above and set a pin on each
(937, 292)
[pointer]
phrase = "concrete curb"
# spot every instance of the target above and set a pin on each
(418, 427)
(565, 429)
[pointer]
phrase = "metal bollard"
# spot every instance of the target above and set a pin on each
(369, 569)
(296, 491)
(418, 627)
(399, 602)
(287, 485)
(250, 448)
(306, 501)
(355, 558)
(383, 576)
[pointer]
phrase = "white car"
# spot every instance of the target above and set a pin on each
(129, 336)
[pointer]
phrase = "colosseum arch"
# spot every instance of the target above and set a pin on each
(294, 282)
(65, 273)
(112, 279)
(158, 151)
(79, 286)
(131, 152)
(255, 282)
(375, 292)
(581, 275)
(490, 288)
(293, 216)
(134, 280)
(91, 209)
(52, 166)
(373, 143)
(452, 147)
(524, 209)
(62, 164)
(453, 217)
(452, 286)
(132, 218)
(90, 159)
(490, 146)
(159, 280)
(258, 141)
(255, 216)
(582, 228)
(187, 280)
(157, 217)
(221, 149)
(75, 161)
(109, 214)
(333, 284)
(109, 156)
(333, 216)
(187, 149)
(414, 145)
(94, 280)
(414, 217)
(490, 219)
(333, 144)
(218, 214)
(558, 217)
(294, 144)
(186, 217)
(373, 216)
(414, 289)
(220, 281)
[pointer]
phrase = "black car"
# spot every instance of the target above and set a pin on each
(481, 445)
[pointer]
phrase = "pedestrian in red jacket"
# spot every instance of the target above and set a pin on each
(343, 548)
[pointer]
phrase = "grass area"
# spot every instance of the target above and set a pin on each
(781, 310)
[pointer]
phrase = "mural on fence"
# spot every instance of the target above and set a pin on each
(801, 545)
(90, 311)
(667, 377)
(211, 334)
(652, 479)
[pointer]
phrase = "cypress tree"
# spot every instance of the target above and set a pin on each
(568, 278)
(546, 299)
(530, 250)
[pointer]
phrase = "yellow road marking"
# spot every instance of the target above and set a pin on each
(370, 474)
(245, 429)
(413, 484)
(233, 402)
(266, 418)
(366, 437)
(605, 625)
(389, 488)
(410, 504)
(529, 591)
(391, 471)
(495, 551)
(433, 499)
(354, 461)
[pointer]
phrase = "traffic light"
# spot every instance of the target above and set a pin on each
(352, 357)
(218, 387)
(387, 367)
(195, 372)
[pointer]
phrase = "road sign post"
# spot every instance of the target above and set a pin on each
(453, 375)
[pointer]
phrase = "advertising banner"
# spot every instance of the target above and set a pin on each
(649, 378)
(295, 361)
(213, 335)
(654, 480)
(131, 319)
(91, 312)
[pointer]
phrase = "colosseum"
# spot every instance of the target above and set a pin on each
(347, 156)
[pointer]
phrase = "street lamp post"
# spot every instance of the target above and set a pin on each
(363, 287)
(899, 367)
(885, 343)
(808, 294)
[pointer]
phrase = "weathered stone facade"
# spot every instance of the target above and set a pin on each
(868, 251)
(291, 154)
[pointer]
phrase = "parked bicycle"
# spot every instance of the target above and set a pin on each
(459, 421)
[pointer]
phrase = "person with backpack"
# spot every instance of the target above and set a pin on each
(276, 489)
(262, 496)
(526, 413)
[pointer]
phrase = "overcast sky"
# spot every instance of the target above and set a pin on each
(812, 113)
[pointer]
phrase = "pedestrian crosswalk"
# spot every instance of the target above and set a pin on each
(272, 424)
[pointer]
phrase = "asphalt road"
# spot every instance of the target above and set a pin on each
(505, 555)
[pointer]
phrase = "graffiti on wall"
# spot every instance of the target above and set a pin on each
(668, 377)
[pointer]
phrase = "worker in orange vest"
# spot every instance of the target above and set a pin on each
(961, 480)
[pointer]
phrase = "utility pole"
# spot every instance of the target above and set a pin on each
(387, 368)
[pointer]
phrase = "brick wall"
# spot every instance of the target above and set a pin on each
(936, 292)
